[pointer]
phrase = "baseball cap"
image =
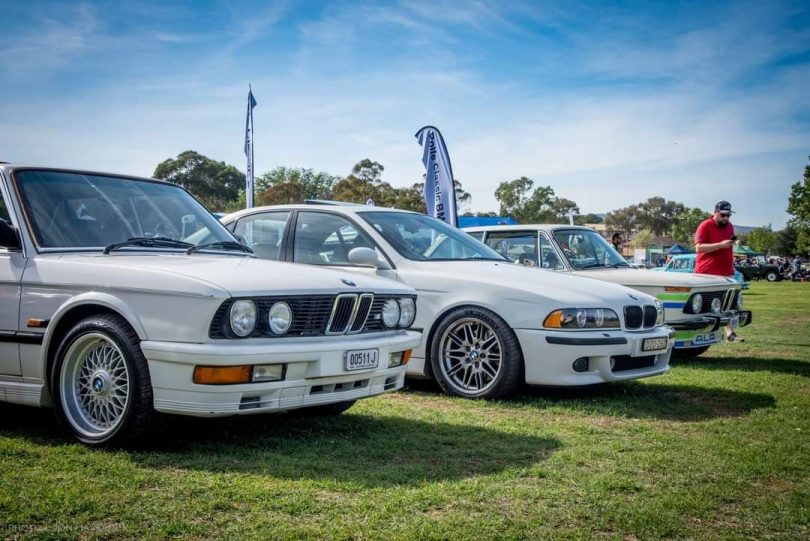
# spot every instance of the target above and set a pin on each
(723, 206)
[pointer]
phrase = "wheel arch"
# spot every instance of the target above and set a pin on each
(75, 310)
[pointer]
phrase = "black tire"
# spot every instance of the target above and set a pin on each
(508, 374)
(326, 410)
(772, 276)
(691, 352)
(136, 415)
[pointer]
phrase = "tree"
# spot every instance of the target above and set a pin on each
(365, 182)
(686, 223)
(519, 200)
(785, 242)
(762, 239)
(643, 238)
(624, 219)
(313, 184)
(215, 184)
(799, 210)
(589, 218)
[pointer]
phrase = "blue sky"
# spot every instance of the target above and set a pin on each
(609, 103)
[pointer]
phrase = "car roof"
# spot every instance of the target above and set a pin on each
(348, 208)
(11, 167)
(522, 227)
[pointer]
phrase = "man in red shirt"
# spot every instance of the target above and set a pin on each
(714, 243)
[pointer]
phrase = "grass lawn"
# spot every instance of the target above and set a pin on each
(719, 448)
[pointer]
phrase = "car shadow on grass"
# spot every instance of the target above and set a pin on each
(746, 364)
(685, 403)
(363, 450)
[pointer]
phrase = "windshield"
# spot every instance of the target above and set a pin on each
(587, 249)
(421, 238)
(74, 210)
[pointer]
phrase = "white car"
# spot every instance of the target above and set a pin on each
(109, 314)
(489, 326)
(697, 306)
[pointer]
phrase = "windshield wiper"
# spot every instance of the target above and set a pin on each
(151, 242)
(224, 244)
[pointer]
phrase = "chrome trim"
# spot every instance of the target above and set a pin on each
(728, 299)
(357, 309)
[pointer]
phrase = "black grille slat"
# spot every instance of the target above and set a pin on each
(341, 317)
(622, 363)
(650, 315)
(633, 317)
(363, 309)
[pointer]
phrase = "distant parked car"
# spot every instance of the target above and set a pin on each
(696, 305)
(121, 297)
(489, 326)
(686, 263)
(764, 271)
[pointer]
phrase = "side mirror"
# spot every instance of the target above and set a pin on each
(366, 257)
(9, 237)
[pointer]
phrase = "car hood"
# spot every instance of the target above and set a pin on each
(214, 275)
(649, 278)
(562, 289)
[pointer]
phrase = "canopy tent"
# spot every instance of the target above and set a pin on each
(678, 249)
(745, 251)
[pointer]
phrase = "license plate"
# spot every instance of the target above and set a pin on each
(362, 359)
(653, 344)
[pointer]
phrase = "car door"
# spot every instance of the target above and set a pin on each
(264, 233)
(326, 238)
(12, 264)
(519, 246)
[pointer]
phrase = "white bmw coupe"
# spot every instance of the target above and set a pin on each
(489, 326)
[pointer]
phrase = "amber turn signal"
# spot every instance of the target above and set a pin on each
(406, 356)
(554, 320)
(677, 289)
(221, 375)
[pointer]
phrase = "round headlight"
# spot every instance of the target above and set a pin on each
(243, 318)
(659, 307)
(582, 318)
(739, 301)
(279, 319)
(390, 313)
(716, 305)
(407, 309)
(697, 303)
(599, 317)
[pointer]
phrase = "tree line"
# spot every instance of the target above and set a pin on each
(220, 187)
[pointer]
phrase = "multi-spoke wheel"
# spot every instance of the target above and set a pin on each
(475, 354)
(100, 381)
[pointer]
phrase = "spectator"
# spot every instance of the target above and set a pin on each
(617, 241)
(714, 243)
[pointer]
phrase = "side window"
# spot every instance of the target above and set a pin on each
(263, 233)
(326, 239)
(477, 235)
(4, 215)
(518, 246)
(548, 257)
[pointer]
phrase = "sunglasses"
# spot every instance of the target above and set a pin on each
(724, 214)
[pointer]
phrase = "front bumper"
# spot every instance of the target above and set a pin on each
(705, 330)
(612, 355)
(314, 375)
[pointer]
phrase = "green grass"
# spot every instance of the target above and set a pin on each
(719, 448)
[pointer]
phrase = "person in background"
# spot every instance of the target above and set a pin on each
(797, 264)
(714, 244)
(617, 242)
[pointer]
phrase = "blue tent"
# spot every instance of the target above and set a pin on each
(678, 249)
(479, 221)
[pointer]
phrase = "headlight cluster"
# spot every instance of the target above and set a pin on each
(399, 312)
(739, 301)
(243, 318)
(660, 307)
(582, 318)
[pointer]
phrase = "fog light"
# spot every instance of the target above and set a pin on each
(581, 364)
(268, 372)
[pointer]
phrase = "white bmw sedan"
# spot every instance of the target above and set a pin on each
(121, 297)
(489, 326)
